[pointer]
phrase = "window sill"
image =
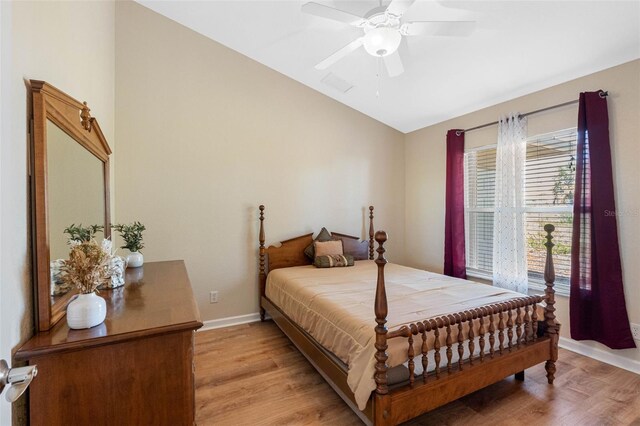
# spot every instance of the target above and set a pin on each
(535, 286)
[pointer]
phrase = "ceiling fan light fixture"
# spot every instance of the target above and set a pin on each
(382, 41)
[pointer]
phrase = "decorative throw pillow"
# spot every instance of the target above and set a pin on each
(332, 261)
(324, 235)
(323, 248)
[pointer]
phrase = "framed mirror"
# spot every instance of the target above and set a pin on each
(69, 186)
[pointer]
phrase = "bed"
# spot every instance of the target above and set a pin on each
(396, 342)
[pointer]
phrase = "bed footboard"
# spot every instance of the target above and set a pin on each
(491, 342)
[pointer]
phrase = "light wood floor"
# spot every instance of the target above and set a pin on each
(252, 375)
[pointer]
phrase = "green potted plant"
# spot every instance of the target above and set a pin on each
(132, 236)
(80, 234)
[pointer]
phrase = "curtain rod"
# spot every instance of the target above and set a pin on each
(603, 94)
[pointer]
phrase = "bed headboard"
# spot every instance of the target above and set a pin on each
(353, 246)
(291, 252)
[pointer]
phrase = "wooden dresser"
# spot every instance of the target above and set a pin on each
(134, 369)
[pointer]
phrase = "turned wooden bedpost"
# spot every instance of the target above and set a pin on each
(371, 233)
(549, 310)
(382, 390)
(262, 274)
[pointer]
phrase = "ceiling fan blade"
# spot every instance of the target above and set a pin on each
(326, 63)
(438, 28)
(328, 12)
(393, 64)
(399, 7)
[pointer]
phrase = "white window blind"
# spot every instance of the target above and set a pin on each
(480, 173)
(549, 187)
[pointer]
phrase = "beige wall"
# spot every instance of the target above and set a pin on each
(425, 171)
(206, 134)
(70, 45)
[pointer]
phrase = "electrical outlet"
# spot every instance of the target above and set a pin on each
(213, 297)
(635, 330)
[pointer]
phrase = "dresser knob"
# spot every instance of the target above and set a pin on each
(17, 378)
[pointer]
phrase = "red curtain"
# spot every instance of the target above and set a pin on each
(597, 306)
(454, 257)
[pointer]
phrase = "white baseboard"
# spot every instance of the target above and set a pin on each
(229, 321)
(600, 354)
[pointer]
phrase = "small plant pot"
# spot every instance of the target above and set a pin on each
(135, 260)
(86, 311)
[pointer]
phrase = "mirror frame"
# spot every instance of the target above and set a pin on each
(74, 118)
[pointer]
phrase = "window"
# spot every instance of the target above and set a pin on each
(549, 185)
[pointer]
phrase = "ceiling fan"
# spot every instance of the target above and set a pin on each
(383, 31)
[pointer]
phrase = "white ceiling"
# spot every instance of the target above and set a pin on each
(518, 47)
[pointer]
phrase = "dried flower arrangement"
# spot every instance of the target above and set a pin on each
(81, 233)
(132, 236)
(89, 265)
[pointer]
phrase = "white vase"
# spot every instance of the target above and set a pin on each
(135, 259)
(86, 311)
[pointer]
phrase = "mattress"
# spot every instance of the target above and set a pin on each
(335, 306)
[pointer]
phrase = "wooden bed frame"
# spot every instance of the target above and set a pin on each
(535, 341)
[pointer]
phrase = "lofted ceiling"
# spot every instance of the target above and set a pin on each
(518, 47)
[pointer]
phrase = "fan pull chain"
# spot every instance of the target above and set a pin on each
(378, 77)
